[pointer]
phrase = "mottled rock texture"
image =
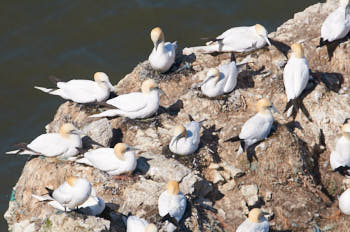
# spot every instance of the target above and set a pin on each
(289, 176)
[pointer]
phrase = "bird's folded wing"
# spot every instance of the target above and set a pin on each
(130, 102)
(254, 128)
(49, 145)
(63, 194)
(103, 158)
(79, 90)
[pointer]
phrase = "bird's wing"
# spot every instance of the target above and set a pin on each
(63, 194)
(194, 128)
(163, 204)
(334, 25)
(179, 209)
(238, 39)
(103, 159)
(295, 77)
(255, 128)
(82, 91)
(170, 48)
(49, 145)
(129, 102)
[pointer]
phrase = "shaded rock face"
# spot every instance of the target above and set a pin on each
(288, 174)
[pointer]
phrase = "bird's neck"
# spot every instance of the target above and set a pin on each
(346, 135)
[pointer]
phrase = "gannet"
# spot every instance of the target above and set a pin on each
(337, 24)
(344, 202)
(340, 157)
(94, 205)
(295, 77)
(135, 224)
(220, 80)
(135, 105)
(236, 39)
(115, 161)
(258, 127)
(83, 91)
(72, 193)
(186, 138)
(163, 53)
(256, 222)
(172, 202)
(65, 144)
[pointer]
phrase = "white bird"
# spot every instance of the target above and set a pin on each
(344, 202)
(163, 53)
(256, 222)
(72, 193)
(186, 138)
(337, 24)
(172, 202)
(115, 161)
(236, 39)
(220, 80)
(340, 157)
(258, 127)
(295, 77)
(65, 144)
(83, 91)
(135, 105)
(135, 224)
(94, 205)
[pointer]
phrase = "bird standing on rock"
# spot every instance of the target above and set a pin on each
(256, 222)
(172, 203)
(135, 105)
(163, 53)
(186, 138)
(65, 144)
(258, 127)
(340, 157)
(221, 80)
(237, 39)
(337, 24)
(83, 91)
(295, 78)
(115, 161)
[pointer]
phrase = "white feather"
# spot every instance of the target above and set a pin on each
(341, 155)
(163, 58)
(135, 224)
(189, 144)
(248, 226)
(344, 202)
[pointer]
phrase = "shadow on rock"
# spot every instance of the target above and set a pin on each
(282, 47)
(333, 81)
(117, 137)
(142, 166)
(210, 140)
(172, 110)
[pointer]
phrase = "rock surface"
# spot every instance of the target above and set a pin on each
(289, 177)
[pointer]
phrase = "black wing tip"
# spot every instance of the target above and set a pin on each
(346, 121)
(233, 139)
(322, 43)
(49, 191)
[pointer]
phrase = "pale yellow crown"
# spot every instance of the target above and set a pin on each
(173, 187)
(151, 228)
(260, 30)
(119, 150)
(157, 34)
(71, 180)
(263, 104)
(255, 215)
(180, 130)
(100, 77)
(297, 50)
(66, 129)
(148, 85)
(214, 72)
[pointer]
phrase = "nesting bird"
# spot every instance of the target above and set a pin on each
(135, 105)
(258, 127)
(135, 224)
(115, 161)
(256, 222)
(163, 53)
(94, 205)
(337, 24)
(186, 138)
(340, 157)
(172, 203)
(72, 193)
(344, 202)
(221, 80)
(236, 39)
(295, 78)
(83, 91)
(65, 144)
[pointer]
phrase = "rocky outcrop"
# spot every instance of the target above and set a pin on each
(289, 177)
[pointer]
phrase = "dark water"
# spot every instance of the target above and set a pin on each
(74, 39)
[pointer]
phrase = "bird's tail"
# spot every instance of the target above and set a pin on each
(202, 49)
(233, 139)
(22, 149)
(322, 43)
(47, 90)
(84, 161)
(107, 113)
(296, 104)
(43, 198)
(49, 191)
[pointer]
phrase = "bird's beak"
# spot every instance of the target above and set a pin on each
(132, 148)
(205, 81)
(177, 137)
(79, 132)
(157, 44)
(267, 40)
(274, 109)
(161, 92)
(111, 87)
